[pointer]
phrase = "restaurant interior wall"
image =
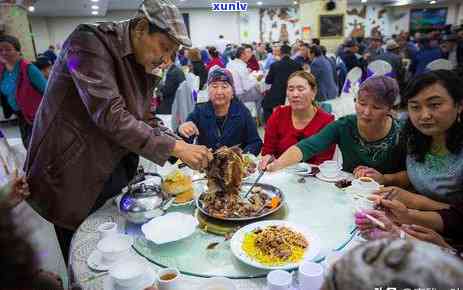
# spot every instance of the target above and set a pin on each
(392, 19)
(206, 26)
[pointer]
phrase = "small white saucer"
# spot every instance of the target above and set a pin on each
(291, 288)
(340, 176)
(95, 262)
(301, 169)
(148, 280)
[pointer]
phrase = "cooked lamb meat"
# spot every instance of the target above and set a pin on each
(223, 198)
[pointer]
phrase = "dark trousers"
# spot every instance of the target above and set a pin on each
(120, 177)
(25, 129)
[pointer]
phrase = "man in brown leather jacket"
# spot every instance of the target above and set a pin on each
(92, 123)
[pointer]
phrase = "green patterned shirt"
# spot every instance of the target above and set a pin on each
(386, 155)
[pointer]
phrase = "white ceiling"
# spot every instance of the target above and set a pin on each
(83, 7)
(55, 8)
(132, 4)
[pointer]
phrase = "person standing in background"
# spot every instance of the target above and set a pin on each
(50, 54)
(44, 65)
(323, 72)
(278, 79)
(21, 86)
(221, 44)
(173, 77)
(197, 67)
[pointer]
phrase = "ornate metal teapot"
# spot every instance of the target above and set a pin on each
(144, 201)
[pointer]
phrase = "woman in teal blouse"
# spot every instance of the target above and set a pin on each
(369, 138)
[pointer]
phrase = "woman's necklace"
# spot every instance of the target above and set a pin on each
(439, 149)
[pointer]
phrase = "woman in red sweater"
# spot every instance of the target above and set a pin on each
(289, 124)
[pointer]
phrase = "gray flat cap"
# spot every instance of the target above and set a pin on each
(165, 15)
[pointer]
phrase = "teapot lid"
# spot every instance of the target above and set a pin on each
(143, 189)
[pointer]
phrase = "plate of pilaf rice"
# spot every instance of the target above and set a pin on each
(274, 244)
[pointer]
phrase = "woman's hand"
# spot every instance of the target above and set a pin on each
(396, 211)
(188, 129)
(397, 193)
(19, 191)
(364, 171)
(291, 156)
(425, 234)
(370, 230)
(195, 156)
(264, 161)
(274, 165)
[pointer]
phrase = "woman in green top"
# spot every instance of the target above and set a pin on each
(369, 138)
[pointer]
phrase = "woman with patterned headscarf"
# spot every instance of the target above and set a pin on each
(223, 120)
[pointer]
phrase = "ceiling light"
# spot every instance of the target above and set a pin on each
(295, 2)
(95, 1)
(364, 1)
(94, 12)
(433, 2)
(95, 7)
(31, 8)
(259, 3)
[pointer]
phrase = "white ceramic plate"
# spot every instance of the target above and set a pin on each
(168, 228)
(147, 281)
(237, 240)
(95, 262)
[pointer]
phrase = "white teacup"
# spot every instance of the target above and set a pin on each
(114, 247)
(365, 185)
(168, 279)
(279, 280)
(331, 163)
(310, 276)
(107, 229)
(330, 169)
(363, 204)
(128, 273)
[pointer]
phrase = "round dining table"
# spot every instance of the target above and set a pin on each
(322, 208)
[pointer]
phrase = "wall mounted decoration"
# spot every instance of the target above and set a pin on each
(331, 25)
(279, 24)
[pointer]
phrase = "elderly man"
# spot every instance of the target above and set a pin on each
(94, 121)
(374, 49)
(392, 56)
(245, 84)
